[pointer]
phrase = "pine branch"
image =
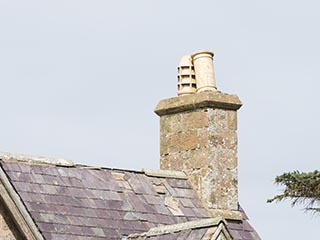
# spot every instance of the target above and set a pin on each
(300, 188)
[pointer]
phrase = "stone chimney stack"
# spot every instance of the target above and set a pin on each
(198, 135)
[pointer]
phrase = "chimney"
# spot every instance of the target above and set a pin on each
(198, 135)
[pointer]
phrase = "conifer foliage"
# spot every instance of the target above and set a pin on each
(301, 188)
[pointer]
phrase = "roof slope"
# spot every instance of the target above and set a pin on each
(79, 202)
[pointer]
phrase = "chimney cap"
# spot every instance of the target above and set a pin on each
(202, 52)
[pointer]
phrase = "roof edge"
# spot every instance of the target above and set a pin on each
(156, 231)
(17, 209)
(9, 157)
(164, 173)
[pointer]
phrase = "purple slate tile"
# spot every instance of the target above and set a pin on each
(11, 167)
(245, 235)
(197, 233)
(46, 227)
(144, 182)
(74, 182)
(200, 212)
(21, 177)
(186, 202)
(37, 169)
(184, 234)
(197, 203)
(22, 186)
(51, 180)
(164, 219)
(161, 209)
(246, 226)
(235, 234)
(178, 183)
(187, 211)
(153, 199)
(235, 225)
(98, 232)
(34, 187)
(181, 219)
(109, 232)
(183, 192)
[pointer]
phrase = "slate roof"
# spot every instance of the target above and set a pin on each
(81, 202)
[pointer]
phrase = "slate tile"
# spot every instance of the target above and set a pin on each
(165, 219)
(123, 185)
(150, 217)
(186, 202)
(234, 225)
(196, 234)
(182, 192)
(87, 212)
(134, 216)
(60, 228)
(156, 181)
(160, 189)
(196, 202)
(184, 235)
(146, 184)
(52, 180)
(77, 230)
(246, 235)
(26, 196)
(124, 232)
(187, 211)
(66, 210)
(200, 212)
(12, 167)
(161, 209)
(153, 199)
(178, 183)
(22, 186)
(246, 226)
(180, 219)
(136, 184)
(34, 187)
(37, 169)
(235, 234)
(21, 177)
(37, 178)
(49, 189)
(74, 182)
(46, 227)
(110, 233)
(68, 172)
(166, 237)
(98, 232)
(64, 236)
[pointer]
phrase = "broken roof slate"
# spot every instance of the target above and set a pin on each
(79, 202)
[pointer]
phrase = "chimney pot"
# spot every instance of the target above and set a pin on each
(186, 76)
(203, 65)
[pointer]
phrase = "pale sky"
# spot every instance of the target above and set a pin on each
(80, 79)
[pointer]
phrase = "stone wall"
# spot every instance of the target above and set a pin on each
(7, 228)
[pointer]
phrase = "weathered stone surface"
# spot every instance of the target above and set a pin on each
(198, 136)
(7, 228)
(198, 101)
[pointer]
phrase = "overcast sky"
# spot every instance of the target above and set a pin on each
(80, 79)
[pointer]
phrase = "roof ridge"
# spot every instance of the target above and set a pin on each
(208, 222)
(9, 157)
